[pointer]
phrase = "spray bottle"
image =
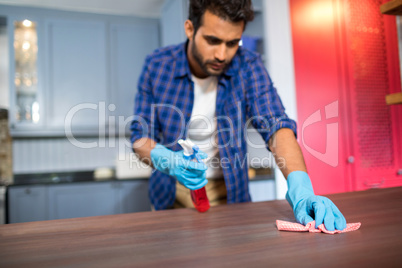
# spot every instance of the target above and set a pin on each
(199, 197)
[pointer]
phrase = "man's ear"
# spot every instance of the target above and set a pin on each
(189, 29)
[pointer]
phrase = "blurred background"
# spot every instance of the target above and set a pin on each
(68, 76)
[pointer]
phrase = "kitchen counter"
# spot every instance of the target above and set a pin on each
(87, 176)
(60, 177)
(239, 235)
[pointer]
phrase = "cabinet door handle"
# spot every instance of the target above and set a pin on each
(399, 172)
(375, 185)
(27, 191)
(351, 159)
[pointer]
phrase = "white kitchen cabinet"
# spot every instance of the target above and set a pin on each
(84, 199)
(87, 67)
(27, 203)
(81, 200)
(25, 35)
(130, 44)
(72, 200)
(77, 73)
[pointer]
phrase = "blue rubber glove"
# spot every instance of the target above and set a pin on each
(308, 207)
(189, 173)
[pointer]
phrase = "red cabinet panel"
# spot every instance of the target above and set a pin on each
(346, 61)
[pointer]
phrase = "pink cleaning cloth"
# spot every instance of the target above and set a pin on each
(297, 227)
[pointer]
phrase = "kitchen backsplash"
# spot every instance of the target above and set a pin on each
(59, 154)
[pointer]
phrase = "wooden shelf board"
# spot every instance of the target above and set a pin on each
(395, 98)
(393, 7)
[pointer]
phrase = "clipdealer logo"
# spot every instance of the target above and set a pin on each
(104, 121)
(330, 156)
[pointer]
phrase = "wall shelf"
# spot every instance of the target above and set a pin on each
(393, 7)
(395, 98)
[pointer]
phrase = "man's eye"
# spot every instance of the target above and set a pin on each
(213, 41)
(232, 44)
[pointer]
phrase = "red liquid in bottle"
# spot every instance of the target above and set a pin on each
(200, 199)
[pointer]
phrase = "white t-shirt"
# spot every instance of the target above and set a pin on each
(202, 129)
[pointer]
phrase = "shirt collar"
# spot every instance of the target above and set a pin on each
(183, 68)
(233, 66)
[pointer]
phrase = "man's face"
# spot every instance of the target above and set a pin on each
(214, 45)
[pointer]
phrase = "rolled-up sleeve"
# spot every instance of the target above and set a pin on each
(144, 123)
(264, 106)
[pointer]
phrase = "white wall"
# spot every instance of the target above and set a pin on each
(4, 101)
(279, 53)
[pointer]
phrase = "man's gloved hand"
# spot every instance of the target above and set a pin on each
(308, 207)
(189, 173)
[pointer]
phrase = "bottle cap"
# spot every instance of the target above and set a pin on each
(187, 146)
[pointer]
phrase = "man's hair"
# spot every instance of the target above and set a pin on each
(232, 10)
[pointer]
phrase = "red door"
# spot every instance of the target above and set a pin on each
(371, 46)
(346, 61)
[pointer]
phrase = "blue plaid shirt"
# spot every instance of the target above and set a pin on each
(164, 103)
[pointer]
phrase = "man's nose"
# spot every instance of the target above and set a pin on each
(220, 53)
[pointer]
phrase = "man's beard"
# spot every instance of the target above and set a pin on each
(198, 58)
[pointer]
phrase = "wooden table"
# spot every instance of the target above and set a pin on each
(240, 235)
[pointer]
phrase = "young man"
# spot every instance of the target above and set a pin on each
(207, 90)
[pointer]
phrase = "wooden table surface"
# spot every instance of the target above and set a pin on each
(240, 235)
